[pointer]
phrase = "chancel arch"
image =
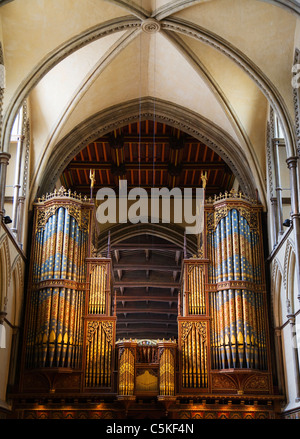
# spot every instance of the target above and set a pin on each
(161, 112)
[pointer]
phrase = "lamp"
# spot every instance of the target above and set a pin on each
(7, 220)
(287, 223)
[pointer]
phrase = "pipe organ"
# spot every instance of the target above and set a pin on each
(223, 347)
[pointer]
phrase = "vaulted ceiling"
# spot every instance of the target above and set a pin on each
(222, 61)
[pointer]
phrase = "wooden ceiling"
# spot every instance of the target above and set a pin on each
(147, 268)
(147, 154)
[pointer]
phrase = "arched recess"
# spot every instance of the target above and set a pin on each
(146, 266)
(18, 282)
(167, 25)
(277, 296)
(289, 274)
(5, 271)
(276, 293)
(120, 232)
(142, 109)
(2, 277)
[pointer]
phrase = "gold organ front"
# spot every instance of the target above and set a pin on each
(223, 346)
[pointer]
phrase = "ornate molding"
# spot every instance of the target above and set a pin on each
(151, 26)
(17, 265)
(235, 285)
(59, 283)
(5, 244)
(288, 249)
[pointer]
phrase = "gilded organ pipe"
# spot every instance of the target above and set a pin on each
(238, 328)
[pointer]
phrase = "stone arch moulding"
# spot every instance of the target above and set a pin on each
(167, 24)
(276, 283)
(290, 5)
(119, 232)
(289, 265)
(142, 109)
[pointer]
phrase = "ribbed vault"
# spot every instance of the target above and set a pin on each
(175, 29)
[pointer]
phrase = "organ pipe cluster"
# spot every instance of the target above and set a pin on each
(99, 353)
(222, 325)
(167, 355)
(127, 354)
(57, 284)
(237, 306)
(194, 368)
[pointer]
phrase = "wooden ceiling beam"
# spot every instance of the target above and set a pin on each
(142, 283)
(134, 310)
(146, 246)
(160, 331)
(159, 166)
(146, 298)
(149, 266)
(149, 320)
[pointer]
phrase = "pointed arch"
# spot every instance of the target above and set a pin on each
(289, 272)
(5, 270)
(141, 109)
(17, 292)
(276, 292)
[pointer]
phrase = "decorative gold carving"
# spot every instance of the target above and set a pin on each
(257, 382)
(64, 199)
(146, 380)
(59, 283)
(92, 177)
(222, 382)
(185, 329)
(204, 178)
(235, 284)
(43, 215)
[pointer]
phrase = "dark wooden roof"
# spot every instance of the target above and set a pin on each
(146, 268)
(147, 154)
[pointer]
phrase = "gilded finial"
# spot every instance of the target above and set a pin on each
(92, 177)
(204, 178)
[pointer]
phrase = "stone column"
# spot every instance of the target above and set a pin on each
(278, 188)
(4, 158)
(278, 341)
(274, 219)
(295, 215)
(17, 184)
(291, 318)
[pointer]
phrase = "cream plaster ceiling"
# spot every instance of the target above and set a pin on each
(67, 86)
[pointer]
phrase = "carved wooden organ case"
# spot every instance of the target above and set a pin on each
(223, 330)
(69, 330)
(69, 339)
